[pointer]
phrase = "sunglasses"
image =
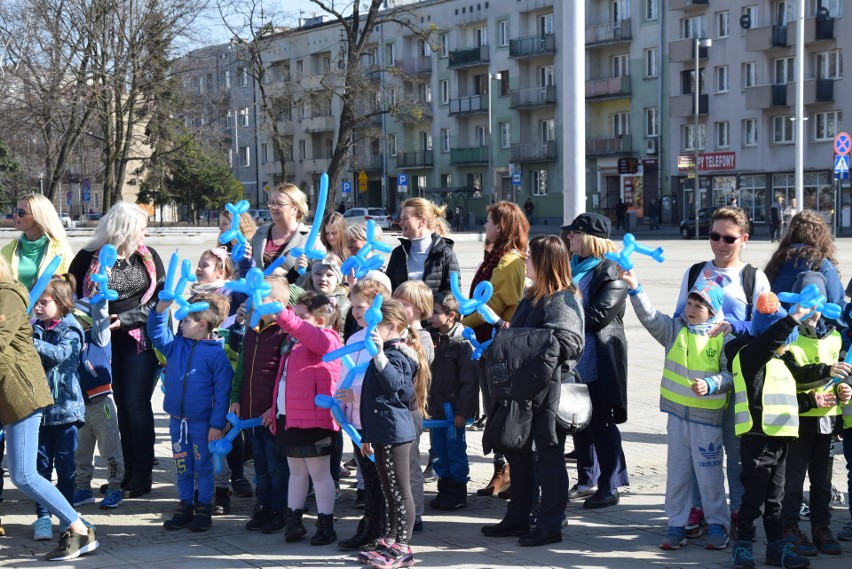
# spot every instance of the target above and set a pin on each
(729, 239)
(21, 212)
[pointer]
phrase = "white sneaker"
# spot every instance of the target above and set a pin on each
(43, 529)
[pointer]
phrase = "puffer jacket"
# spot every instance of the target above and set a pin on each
(258, 368)
(59, 347)
(385, 396)
(455, 375)
(198, 374)
(307, 375)
(23, 386)
(440, 262)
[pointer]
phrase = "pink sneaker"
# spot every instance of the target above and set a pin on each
(393, 557)
(695, 524)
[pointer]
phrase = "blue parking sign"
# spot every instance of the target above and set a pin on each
(402, 180)
(346, 187)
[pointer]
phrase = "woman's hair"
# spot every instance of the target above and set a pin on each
(513, 224)
(358, 232)
(591, 245)
(433, 214)
(215, 314)
(418, 294)
(61, 289)
(5, 272)
(120, 227)
(247, 225)
(321, 306)
(369, 289)
(447, 302)
(393, 313)
(45, 216)
(736, 215)
(222, 260)
(549, 258)
(296, 195)
(335, 222)
(809, 229)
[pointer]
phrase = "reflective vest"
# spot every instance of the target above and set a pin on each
(847, 415)
(825, 350)
(692, 356)
(780, 407)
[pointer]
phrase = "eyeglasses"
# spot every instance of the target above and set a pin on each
(42, 302)
(729, 239)
(278, 205)
(21, 212)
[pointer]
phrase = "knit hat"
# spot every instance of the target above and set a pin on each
(711, 293)
(325, 264)
(769, 311)
(809, 277)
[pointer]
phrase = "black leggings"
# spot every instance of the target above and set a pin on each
(392, 463)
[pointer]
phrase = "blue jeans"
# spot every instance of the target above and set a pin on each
(57, 447)
(193, 460)
(450, 454)
(21, 457)
(271, 471)
(600, 455)
(733, 466)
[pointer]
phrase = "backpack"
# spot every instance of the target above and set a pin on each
(749, 275)
(95, 367)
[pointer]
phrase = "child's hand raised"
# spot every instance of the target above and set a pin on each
(377, 339)
(241, 314)
(629, 277)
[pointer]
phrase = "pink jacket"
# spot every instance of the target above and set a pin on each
(307, 374)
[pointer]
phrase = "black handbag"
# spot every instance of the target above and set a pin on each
(575, 407)
(509, 427)
(521, 362)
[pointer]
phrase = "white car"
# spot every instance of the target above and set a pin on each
(260, 216)
(66, 220)
(361, 214)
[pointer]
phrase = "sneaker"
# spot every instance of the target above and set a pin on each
(838, 501)
(805, 509)
(242, 488)
(376, 549)
(782, 553)
(345, 472)
(63, 528)
(258, 520)
(846, 533)
(83, 496)
(742, 555)
(43, 529)
(717, 537)
(581, 491)
(72, 545)
(275, 523)
(429, 474)
(112, 499)
(825, 542)
(695, 524)
(675, 539)
(801, 544)
(394, 556)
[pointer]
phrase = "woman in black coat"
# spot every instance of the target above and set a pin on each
(601, 465)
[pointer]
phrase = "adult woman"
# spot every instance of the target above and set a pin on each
(42, 238)
(506, 235)
(288, 206)
(552, 302)
(601, 466)
(422, 254)
(24, 394)
(333, 235)
(247, 226)
(135, 277)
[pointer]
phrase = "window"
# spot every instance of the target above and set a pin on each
(723, 24)
(225, 79)
(827, 125)
(392, 144)
(244, 116)
(390, 54)
(264, 150)
(834, 7)
(723, 134)
(692, 27)
(621, 124)
(480, 84)
(783, 129)
(481, 135)
(329, 147)
(300, 68)
(445, 45)
(751, 12)
(651, 62)
(749, 132)
(784, 70)
(426, 140)
(326, 64)
(545, 24)
(503, 33)
(749, 74)
(689, 136)
(505, 134)
(446, 180)
(445, 140)
(481, 35)
(503, 78)
(722, 79)
(445, 91)
(547, 130)
(303, 151)
(245, 156)
(688, 82)
(243, 76)
(652, 8)
(621, 65)
(829, 64)
(652, 122)
(538, 182)
(545, 76)
(424, 93)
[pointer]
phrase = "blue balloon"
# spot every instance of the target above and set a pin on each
(481, 295)
(361, 263)
(43, 280)
(810, 298)
(478, 348)
(329, 402)
(107, 257)
(308, 250)
(632, 246)
(448, 422)
(234, 234)
(220, 449)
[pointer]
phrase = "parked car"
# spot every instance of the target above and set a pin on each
(91, 217)
(687, 226)
(395, 221)
(260, 215)
(361, 214)
(66, 220)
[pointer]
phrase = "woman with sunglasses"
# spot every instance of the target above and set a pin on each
(42, 238)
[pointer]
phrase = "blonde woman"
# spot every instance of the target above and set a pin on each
(42, 238)
(333, 235)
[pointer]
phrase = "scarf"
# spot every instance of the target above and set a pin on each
(579, 268)
(198, 288)
(484, 273)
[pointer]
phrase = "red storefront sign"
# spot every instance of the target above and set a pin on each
(709, 162)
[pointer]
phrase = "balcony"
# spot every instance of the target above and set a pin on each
(474, 155)
(767, 37)
(605, 146)
(468, 57)
(766, 96)
(532, 46)
(784, 95)
(533, 97)
(815, 30)
(316, 165)
(320, 124)
(423, 159)
(534, 151)
(608, 88)
(368, 163)
(469, 105)
(416, 65)
(684, 105)
(612, 32)
(683, 51)
(688, 4)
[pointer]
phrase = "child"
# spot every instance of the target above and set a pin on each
(214, 269)
(197, 383)
(306, 430)
(397, 374)
(693, 392)
(766, 379)
(455, 380)
(258, 369)
(326, 278)
(101, 419)
(58, 339)
(372, 524)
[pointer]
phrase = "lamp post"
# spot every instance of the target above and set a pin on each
(699, 43)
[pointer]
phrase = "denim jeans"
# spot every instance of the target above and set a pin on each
(21, 457)
(271, 472)
(57, 448)
(450, 454)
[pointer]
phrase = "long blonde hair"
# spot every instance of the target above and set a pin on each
(45, 216)
(120, 226)
(393, 313)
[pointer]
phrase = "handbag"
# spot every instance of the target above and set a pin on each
(521, 362)
(509, 427)
(575, 407)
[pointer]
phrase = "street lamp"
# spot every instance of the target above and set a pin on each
(699, 43)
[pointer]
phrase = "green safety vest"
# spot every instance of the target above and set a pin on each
(846, 410)
(814, 351)
(692, 356)
(780, 407)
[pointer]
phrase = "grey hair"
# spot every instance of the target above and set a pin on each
(119, 227)
(358, 232)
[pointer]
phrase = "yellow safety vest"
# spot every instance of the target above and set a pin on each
(846, 410)
(780, 407)
(824, 350)
(692, 356)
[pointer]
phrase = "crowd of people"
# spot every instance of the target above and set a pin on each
(744, 376)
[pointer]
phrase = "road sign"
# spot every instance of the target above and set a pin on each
(516, 179)
(402, 182)
(362, 181)
(87, 197)
(842, 144)
(841, 167)
(346, 187)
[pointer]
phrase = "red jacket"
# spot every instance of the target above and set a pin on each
(261, 359)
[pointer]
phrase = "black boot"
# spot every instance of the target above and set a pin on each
(182, 517)
(202, 520)
(455, 497)
(442, 489)
(325, 530)
(362, 537)
(294, 530)
(258, 519)
(222, 503)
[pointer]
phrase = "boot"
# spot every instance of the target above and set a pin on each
(222, 503)
(325, 530)
(501, 471)
(182, 517)
(455, 497)
(294, 530)
(428, 472)
(442, 489)
(202, 520)
(361, 537)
